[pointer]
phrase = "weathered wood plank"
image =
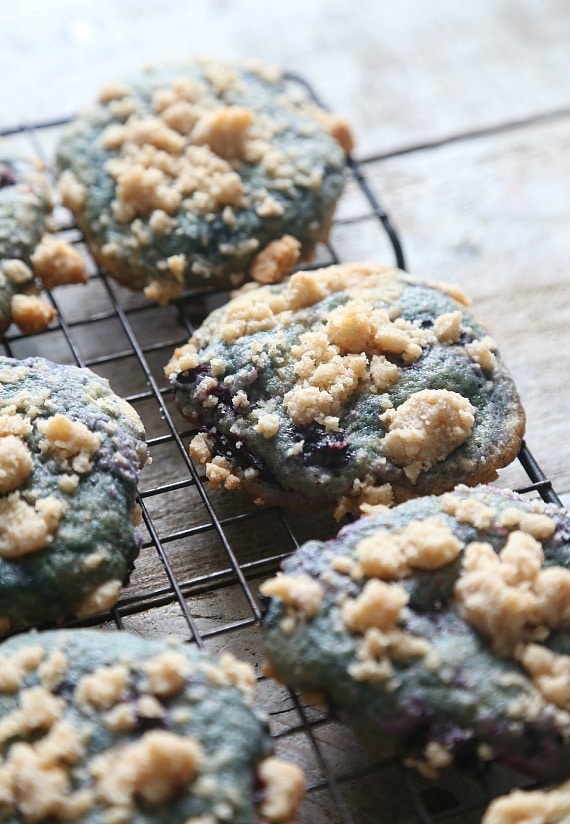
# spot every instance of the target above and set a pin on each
(403, 72)
(492, 215)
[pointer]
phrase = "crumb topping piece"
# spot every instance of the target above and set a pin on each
(378, 649)
(326, 379)
(35, 778)
(103, 688)
(426, 544)
(508, 596)
(453, 290)
(268, 425)
(71, 443)
(167, 673)
(15, 667)
(239, 673)
(447, 327)
(537, 524)
(383, 373)
(200, 449)
(549, 671)
(342, 133)
(15, 463)
(73, 193)
(30, 313)
(13, 424)
(219, 472)
(283, 790)
(301, 592)
(426, 428)
(482, 352)
(56, 262)
(434, 758)
(225, 131)
(38, 710)
(121, 718)
(113, 91)
(365, 498)
(357, 327)
(379, 605)
(276, 260)
(468, 510)
(100, 599)
(28, 528)
(530, 807)
(16, 271)
(154, 769)
(53, 670)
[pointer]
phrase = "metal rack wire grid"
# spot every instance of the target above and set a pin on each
(205, 552)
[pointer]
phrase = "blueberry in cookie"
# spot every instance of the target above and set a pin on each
(29, 257)
(202, 174)
(70, 455)
(439, 629)
(352, 385)
(109, 727)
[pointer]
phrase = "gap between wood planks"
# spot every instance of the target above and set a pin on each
(471, 134)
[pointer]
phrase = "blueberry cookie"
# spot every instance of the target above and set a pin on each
(29, 257)
(201, 174)
(354, 384)
(439, 629)
(70, 454)
(109, 727)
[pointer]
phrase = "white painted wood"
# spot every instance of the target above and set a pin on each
(404, 72)
(492, 214)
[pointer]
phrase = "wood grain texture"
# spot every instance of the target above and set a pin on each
(403, 72)
(492, 214)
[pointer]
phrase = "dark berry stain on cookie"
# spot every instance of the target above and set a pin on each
(324, 448)
(235, 449)
(145, 724)
(223, 394)
(466, 336)
(190, 376)
(259, 788)
(7, 176)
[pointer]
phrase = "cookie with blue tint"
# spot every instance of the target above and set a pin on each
(30, 258)
(440, 630)
(70, 455)
(110, 727)
(202, 174)
(350, 385)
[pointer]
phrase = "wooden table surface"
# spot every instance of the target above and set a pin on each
(462, 117)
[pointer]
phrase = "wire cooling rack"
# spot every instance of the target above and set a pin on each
(206, 552)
